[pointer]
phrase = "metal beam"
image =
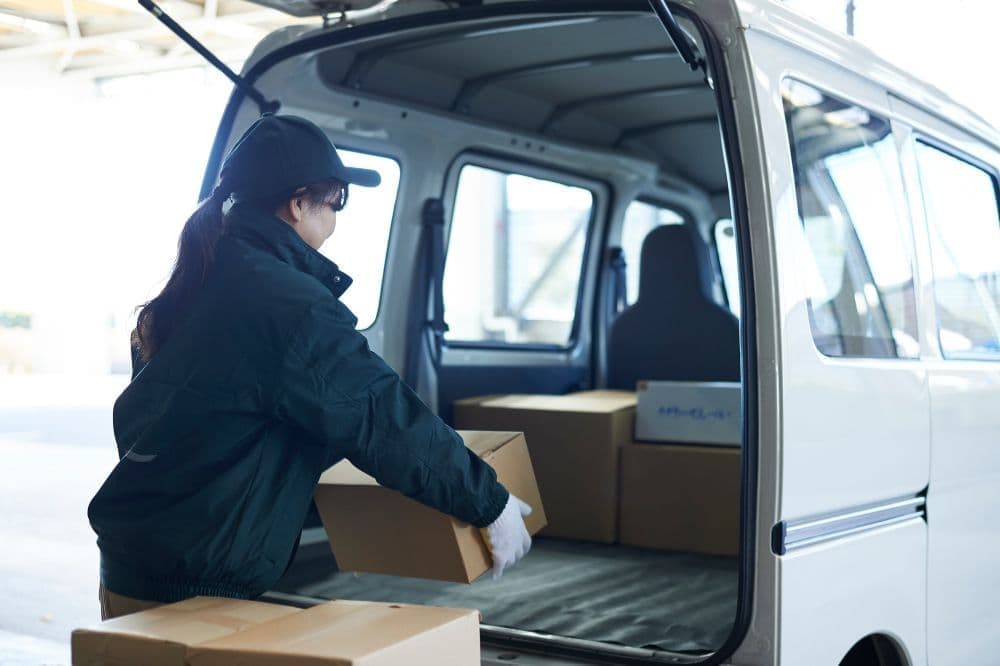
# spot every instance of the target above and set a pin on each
(560, 111)
(473, 87)
(365, 60)
(152, 32)
(126, 5)
(632, 132)
(150, 64)
(73, 28)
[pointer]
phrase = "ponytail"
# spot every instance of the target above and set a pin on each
(195, 256)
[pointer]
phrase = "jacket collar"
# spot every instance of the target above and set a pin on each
(274, 236)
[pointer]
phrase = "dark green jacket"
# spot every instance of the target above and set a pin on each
(260, 387)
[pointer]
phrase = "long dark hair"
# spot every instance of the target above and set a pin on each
(196, 255)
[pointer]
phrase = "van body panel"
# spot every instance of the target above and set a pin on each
(760, 643)
(962, 509)
(962, 497)
(834, 594)
(837, 449)
(805, 35)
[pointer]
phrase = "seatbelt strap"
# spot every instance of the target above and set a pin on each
(427, 277)
(619, 291)
(433, 218)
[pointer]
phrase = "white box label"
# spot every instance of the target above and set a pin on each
(696, 412)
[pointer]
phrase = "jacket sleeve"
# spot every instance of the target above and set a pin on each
(333, 386)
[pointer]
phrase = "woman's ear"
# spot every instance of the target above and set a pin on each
(296, 206)
(293, 209)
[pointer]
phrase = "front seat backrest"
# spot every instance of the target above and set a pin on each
(673, 331)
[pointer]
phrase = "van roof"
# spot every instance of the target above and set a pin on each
(792, 27)
(769, 16)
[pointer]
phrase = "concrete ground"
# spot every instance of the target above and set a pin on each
(56, 449)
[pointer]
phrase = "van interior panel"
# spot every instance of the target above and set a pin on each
(611, 81)
(601, 101)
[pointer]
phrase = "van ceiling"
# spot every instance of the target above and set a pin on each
(612, 81)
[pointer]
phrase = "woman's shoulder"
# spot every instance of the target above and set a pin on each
(249, 268)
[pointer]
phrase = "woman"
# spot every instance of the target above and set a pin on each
(249, 379)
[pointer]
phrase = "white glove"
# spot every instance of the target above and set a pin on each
(507, 537)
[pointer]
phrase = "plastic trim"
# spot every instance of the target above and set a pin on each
(789, 536)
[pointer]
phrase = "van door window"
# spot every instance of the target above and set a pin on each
(515, 256)
(361, 239)
(856, 254)
(640, 219)
(725, 247)
(964, 230)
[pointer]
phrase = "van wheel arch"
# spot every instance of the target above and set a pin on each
(876, 650)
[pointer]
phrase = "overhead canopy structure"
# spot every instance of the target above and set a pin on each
(99, 38)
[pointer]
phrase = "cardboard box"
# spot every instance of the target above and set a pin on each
(379, 530)
(208, 631)
(696, 412)
(163, 635)
(683, 498)
(346, 633)
(574, 441)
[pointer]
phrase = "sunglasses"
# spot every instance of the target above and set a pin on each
(340, 199)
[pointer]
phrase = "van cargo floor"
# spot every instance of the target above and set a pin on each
(631, 596)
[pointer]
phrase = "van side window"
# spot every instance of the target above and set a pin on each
(725, 247)
(964, 230)
(515, 257)
(361, 240)
(856, 254)
(640, 219)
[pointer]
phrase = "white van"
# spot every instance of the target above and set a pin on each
(846, 271)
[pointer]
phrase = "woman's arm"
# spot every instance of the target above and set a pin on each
(332, 385)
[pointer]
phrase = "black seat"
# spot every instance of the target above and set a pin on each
(674, 331)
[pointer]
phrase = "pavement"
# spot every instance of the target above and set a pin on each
(56, 448)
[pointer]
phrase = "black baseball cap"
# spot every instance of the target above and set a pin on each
(281, 153)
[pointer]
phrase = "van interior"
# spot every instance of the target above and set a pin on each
(579, 167)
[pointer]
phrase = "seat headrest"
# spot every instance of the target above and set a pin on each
(672, 265)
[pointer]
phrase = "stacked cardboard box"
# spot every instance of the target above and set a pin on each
(599, 484)
(162, 636)
(378, 530)
(574, 442)
(207, 631)
(678, 497)
(683, 492)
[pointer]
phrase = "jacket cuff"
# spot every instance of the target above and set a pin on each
(494, 507)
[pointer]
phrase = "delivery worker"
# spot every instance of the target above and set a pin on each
(249, 379)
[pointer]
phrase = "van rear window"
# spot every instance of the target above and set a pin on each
(515, 257)
(640, 219)
(856, 250)
(964, 231)
(361, 239)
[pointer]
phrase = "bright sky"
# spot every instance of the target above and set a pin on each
(952, 45)
(97, 186)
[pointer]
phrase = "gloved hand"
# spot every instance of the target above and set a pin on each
(507, 537)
